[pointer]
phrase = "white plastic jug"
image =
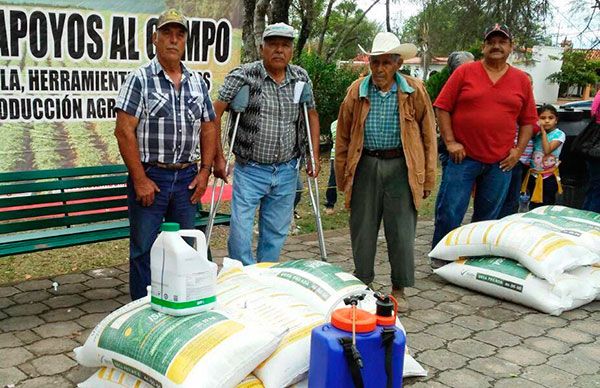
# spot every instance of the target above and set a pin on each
(183, 280)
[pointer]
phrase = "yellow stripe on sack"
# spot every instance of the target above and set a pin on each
(121, 378)
(253, 383)
(197, 348)
(137, 384)
(458, 232)
(265, 264)
(449, 237)
(486, 233)
(541, 241)
(502, 232)
(101, 372)
(230, 273)
(110, 374)
(553, 247)
(291, 338)
(470, 233)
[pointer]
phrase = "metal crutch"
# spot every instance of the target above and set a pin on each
(223, 142)
(304, 95)
(237, 105)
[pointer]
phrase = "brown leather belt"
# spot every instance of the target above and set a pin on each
(385, 154)
(169, 166)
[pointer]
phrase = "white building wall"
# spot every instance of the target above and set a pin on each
(546, 60)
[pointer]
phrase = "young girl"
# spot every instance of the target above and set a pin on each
(547, 145)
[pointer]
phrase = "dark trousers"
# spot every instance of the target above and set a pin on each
(331, 193)
(592, 197)
(299, 188)
(381, 191)
(511, 203)
(550, 188)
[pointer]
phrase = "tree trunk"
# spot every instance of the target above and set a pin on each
(425, 60)
(308, 17)
(387, 16)
(325, 25)
(345, 34)
(280, 11)
(260, 12)
(249, 50)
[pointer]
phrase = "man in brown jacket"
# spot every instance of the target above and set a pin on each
(386, 160)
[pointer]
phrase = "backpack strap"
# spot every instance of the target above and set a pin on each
(354, 361)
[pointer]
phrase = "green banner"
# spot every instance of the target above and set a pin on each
(63, 62)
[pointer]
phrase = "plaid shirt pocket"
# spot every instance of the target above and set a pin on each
(159, 104)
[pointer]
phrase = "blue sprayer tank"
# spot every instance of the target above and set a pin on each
(330, 366)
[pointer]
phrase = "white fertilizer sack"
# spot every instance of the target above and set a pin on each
(577, 215)
(591, 272)
(545, 253)
(250, 381)
(254, 301)
(208, 349)
(317, 283)
(509, 280)
(107, 377)
(581, 233)
(322, 286)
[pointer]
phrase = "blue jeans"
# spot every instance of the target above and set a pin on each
(511, 203)
(455, 191)
(331, 193)
(272, 186)
(172, 204)
(592, 197)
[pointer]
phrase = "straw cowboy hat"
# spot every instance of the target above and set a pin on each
(388, 43)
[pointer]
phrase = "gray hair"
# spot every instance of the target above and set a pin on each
(457, 58)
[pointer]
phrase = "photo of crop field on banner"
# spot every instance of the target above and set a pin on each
(63, 62)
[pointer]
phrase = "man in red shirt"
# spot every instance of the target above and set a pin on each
(477, 110)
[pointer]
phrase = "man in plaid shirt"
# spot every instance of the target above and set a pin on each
(164, 114)
(270, 140)
(385, 161)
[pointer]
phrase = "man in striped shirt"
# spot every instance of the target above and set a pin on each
(164, 116)
(270, 140)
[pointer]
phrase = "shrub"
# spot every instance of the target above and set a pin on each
(329, 86)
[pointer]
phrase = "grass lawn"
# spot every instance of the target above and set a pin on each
(85, 257)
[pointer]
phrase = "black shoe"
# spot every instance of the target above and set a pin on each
(437, 263)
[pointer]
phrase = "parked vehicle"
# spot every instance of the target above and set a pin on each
(583, 104)
(573, 172)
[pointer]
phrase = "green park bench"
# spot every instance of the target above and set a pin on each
(47, 209)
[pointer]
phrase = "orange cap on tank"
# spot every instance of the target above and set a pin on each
(342, 319)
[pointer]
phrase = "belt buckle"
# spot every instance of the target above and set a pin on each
(172, 166)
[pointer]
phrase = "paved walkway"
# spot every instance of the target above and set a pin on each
(462, 338)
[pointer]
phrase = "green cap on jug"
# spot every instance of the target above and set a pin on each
(169, 227)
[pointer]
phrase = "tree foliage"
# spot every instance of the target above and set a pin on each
(342, 30)
(577, 69)
(329, 86)
(458, 24)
